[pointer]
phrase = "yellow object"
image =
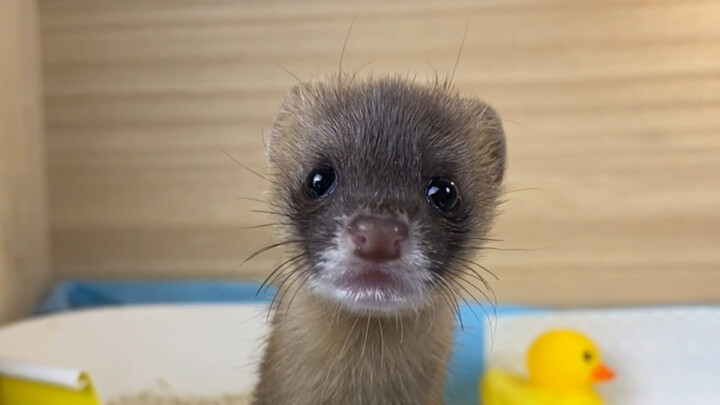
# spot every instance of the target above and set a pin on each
(562, 367)
(28, 384)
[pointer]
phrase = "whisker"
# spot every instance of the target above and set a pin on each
(258, 226)
(251, 199)
(434, 69)
(486, 239)
(270, 212)
(462, 45)
(288, 269)
(477, 264)
(342, 53)
(508, 249)
(288, 72)
(512, 122)
(279, 294)
(483, 293)
(518, 190)
(487, 285)
(367, 332)
(487, 315)
(449, 298)
(476, 276)
(268, 247)
(244, 166)
(307, 275)
(282, 290)
(269, 278)
(364, 65)
(492, 321)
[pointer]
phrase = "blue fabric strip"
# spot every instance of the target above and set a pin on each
(467, 362)
(74, 295)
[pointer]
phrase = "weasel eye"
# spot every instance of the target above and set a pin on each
(320, 181)
(442, 193)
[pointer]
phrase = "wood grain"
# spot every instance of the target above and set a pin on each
(24, 266)
(612, 110)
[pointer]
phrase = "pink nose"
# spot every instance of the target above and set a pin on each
(378, 239)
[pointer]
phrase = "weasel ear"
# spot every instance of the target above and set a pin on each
(488, 128)
(287, 119)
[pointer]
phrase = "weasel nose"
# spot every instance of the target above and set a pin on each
(378, 239)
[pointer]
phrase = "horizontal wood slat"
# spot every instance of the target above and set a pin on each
(612, 111)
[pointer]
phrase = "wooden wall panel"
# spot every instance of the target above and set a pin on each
(612, 110)
(24, 270)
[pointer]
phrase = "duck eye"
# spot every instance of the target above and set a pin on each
(442, 194)
(320, 181)
(587, 356)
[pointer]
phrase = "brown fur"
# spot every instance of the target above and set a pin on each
(386, 138)
(321, 354)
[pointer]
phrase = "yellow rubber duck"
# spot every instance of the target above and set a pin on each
(562, 367)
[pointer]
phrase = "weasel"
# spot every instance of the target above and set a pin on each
(384, 188)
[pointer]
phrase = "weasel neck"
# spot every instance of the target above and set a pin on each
(320, 353)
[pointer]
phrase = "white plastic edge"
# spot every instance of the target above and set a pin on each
(64, 377)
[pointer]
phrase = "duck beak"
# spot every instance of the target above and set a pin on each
(602, 373)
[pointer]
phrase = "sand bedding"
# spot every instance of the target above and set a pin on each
(157, 399)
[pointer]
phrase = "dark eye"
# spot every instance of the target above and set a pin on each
(320, 181)
(587, 356)
(442, 193)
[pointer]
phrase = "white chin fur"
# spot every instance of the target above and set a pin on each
(369, 300)
(408, 290)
